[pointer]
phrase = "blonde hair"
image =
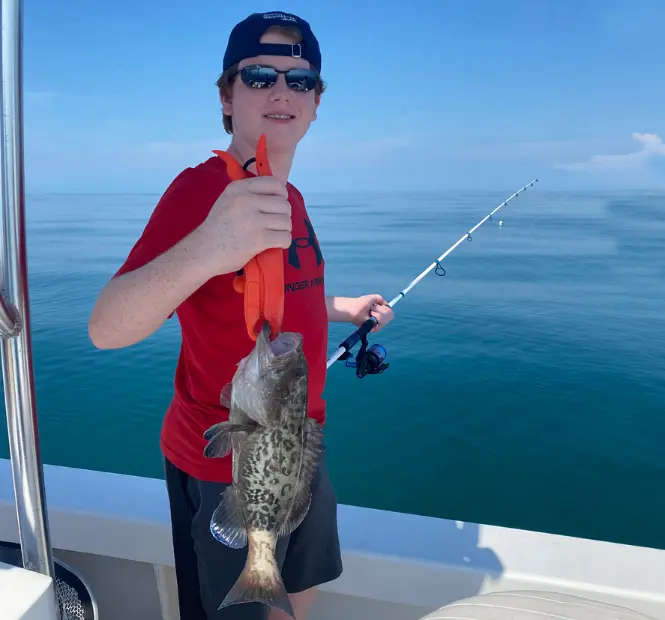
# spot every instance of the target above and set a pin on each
(225, 83)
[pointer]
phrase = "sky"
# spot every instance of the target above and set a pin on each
(428, 94)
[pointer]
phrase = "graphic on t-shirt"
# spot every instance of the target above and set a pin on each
(299, 245)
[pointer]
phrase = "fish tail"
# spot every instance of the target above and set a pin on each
(260, 580)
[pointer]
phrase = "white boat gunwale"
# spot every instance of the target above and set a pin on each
(127, 517)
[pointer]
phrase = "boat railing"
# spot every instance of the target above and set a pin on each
(16, 350)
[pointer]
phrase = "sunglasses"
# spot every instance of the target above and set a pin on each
(261, 76)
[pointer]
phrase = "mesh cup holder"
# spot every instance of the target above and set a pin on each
(75, 600)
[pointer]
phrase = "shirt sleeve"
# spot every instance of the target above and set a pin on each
(182, 208)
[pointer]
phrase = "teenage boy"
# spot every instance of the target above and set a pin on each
(204, 229)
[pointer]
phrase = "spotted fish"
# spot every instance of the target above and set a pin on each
(275, 448)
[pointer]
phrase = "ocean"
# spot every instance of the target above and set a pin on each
(526, 387)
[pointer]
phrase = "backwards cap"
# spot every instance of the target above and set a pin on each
(244, 39)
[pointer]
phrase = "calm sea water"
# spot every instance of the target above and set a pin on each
(526, 387)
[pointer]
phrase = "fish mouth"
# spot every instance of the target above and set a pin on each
(284, 346)
(285, 343)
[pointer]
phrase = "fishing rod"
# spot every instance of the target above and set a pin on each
(372, 360)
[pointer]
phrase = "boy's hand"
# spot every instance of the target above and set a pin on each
(250, 216)
(366, 306)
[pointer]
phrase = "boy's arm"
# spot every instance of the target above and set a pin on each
(357, 310)
(162, 269)
(197, 231)
(133, 305)
(339, 309)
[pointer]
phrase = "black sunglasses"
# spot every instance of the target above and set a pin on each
(261, 76)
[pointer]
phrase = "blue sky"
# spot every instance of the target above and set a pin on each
(432, 94)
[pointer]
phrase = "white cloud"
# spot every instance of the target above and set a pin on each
(651, 146)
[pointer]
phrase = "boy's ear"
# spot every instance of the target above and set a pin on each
(227, 104)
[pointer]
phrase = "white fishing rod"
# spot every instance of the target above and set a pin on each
(371, 361)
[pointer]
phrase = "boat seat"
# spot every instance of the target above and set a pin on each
(532, 605)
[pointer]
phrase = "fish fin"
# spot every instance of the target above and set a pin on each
(242, 418)
(225, 395)
(214, 429)
(312, 445)
(218, 437)
(299, 510)
(227, 523)
(312, 441)
(260, 582)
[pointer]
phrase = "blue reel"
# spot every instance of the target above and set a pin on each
(369, 361)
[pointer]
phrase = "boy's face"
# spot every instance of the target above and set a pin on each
(250, 107)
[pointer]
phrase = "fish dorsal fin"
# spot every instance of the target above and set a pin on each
(312, 443)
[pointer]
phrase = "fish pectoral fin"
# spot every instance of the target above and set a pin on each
(312, 442)
(218, 437)
(227, 523)
(225, 395)
(226, 400)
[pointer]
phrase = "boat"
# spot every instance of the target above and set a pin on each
(79, 544)
(113, 530)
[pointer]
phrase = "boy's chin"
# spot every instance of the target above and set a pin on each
(281, 138)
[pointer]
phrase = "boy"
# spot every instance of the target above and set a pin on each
(204, 229)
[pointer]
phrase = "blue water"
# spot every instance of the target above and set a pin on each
(526, 387)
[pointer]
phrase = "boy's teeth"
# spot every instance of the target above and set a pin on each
(278, 115)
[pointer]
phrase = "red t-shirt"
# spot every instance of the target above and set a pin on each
(214, 334)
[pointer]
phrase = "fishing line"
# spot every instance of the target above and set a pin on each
(372, 360)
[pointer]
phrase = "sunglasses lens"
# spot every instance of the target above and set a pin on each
(301, 79)
(258, 76)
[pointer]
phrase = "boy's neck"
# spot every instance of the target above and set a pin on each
(280, 161)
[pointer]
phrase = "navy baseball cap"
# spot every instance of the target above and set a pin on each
(244, 39)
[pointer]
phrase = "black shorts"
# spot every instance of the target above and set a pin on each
(207, 569)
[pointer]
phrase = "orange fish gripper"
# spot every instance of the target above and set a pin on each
(262, 278)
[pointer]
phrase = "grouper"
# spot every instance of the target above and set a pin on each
(275, 448)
